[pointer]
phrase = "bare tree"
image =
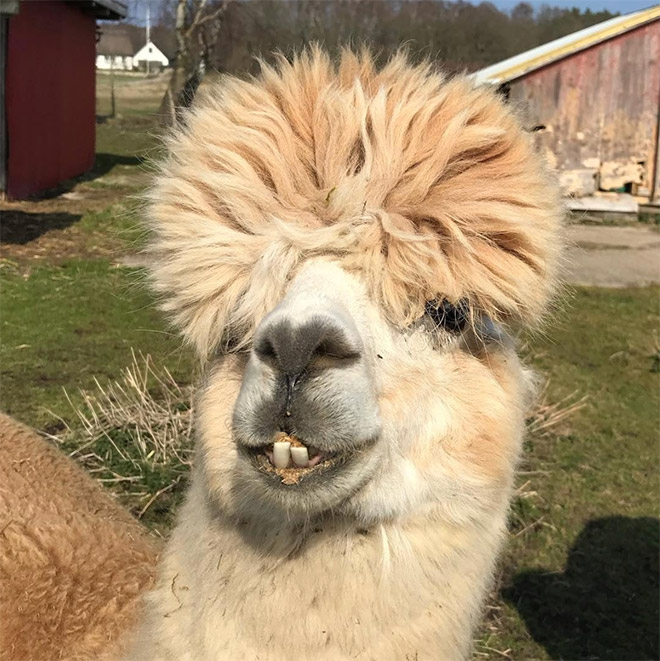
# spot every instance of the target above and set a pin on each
(197, 26)
(225, 35)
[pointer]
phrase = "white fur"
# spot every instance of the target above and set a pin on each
(370, 192)
(397, 569)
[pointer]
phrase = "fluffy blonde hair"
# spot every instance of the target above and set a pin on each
(428, 187)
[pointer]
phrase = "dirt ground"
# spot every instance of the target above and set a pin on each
(83, 223)
(613, 256)
(50, 229)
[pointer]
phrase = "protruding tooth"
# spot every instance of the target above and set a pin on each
(300, 457)
(281, 454)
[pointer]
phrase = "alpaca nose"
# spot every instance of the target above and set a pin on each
(293, 342)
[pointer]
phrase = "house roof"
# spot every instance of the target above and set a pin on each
(524, 63)
(144, 54)
(115, 42)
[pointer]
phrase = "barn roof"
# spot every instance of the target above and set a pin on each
(109, 10)
(524, 63)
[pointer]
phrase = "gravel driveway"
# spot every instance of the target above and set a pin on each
(613, 256)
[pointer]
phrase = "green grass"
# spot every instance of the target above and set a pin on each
(127, 139)
(580, 572)
(155, 496)
(135, 95)
(63, 326)
(118, 224)
(652, 219)
(127, 143)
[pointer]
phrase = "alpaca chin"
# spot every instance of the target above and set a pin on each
(345, 247)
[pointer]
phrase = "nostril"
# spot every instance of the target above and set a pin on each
(336, 346)
(293, 344)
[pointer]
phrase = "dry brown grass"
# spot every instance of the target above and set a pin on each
(134, 435)
(547, 415)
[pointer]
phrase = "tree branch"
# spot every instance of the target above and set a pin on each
(209, 17)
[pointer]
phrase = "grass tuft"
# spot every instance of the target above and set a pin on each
(134, 435)
(548, 415)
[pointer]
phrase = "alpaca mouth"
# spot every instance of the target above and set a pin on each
(291, 460)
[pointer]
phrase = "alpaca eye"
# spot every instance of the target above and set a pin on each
(452, 318)
(232, 342)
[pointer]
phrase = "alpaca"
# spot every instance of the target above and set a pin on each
(345, 247)
(73, 563)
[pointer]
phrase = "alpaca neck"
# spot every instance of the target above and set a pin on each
(288, 590)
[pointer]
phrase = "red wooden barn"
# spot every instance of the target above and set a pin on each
(48, 104)
(593, 98)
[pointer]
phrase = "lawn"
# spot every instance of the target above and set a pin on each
(65, 325)
(579, 579)
(579, 576)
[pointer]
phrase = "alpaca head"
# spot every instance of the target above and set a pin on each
(345, 246)
(383, 411)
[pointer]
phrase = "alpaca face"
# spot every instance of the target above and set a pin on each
(388, 420)
(303, 223)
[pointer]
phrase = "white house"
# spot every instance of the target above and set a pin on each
(150, 56)
(114, 50)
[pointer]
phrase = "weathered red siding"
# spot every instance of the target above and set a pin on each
(50, 95)
(600, 108)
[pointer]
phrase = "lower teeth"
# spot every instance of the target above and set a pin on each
(292, 475)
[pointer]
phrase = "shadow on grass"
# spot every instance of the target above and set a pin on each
(605, 604)
(20, 227)
(103, 163)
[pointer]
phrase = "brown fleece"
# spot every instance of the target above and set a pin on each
(73, 563)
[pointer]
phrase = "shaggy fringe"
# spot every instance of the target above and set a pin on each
(429, 188)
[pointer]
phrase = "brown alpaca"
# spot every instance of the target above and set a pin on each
(345, 247)
(72, 562)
